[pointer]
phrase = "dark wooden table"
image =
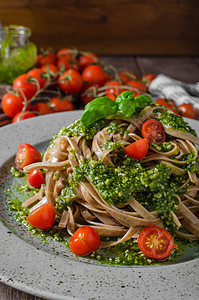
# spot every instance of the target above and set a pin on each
(181, 68)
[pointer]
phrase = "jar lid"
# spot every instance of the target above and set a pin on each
(17, 30)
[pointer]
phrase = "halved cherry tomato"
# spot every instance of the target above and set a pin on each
(93, 74)
(188, 111)
(84, 241)
(138, 149)
(41, 108)
(23, 116)
(87, 59)
(58, 105)
(43, 217)
(70, 81)
(36, 178)
(153, 131)
(155, 242)
(11, 104)
(24, 85)
(127, 75)
(26, 155)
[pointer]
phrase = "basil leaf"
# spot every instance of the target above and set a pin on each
(97, 109)
(127, 95)
(127, 107)
(141, 102)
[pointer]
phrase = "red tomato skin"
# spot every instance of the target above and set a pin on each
(26, 155)
(188, 111)
(169, 104)
(52, 69)
(24, 87)
(154, 232)
(127, 75)
(140, 86)
(93, 74)
(67, 63)
(11, 104)
(114, 90)
(41, 108)
(153, 131)
(84, 241)
(147, 79)
(49, 58)
(138, 149)
(58, 105)
(87, 59)
(26, 115)
(36, 178)
(42, 218)
(65, 51)
(70, 81)
(37, 74)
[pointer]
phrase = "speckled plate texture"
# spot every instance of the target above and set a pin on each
(51, 271)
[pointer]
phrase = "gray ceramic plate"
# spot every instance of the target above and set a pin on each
(51, 271)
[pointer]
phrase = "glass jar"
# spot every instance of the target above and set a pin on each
(17, 53)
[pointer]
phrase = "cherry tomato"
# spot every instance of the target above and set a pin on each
(169, 104)
(11, 104)
(70, 81)
(188, 111)
(147, 79)
(65, 51)
(84, 241)
(127, 75)
(43, 217)
(87, 59)
(153, 131)
(140, 86)
(51, 69)
(155, 242)
(41, 108)
(114, 90)
(46, 58)
(26, 155)
(23, 116)
(59, 105)
(93, 74)
(38, 75)
(36, 178)
(138, 149)
(88, 93)
(25, 86)
(66, 63)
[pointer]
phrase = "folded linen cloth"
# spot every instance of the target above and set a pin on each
(165, 87)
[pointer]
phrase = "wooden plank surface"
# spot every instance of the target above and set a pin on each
(109, 27)
(181, 68)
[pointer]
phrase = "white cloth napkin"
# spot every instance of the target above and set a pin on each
(165, 87)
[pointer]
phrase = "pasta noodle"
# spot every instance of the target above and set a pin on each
(86, 204)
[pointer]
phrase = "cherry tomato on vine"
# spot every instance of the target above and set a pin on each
(25, 85)
(84, 241)
(36, 178)
(66, 63)
(26, 155)
(11, 104)
(87, 59)
(43, 217)
(38, 75)
(138, 149)
(58, 105)
(113, 89)
(155, 242)
(50, 69)
(46, 58)
(93, 74)
(169, 104)
(147, 79)
(66, 52)
(70, 81)
(23, 116)
(140, 86)
(153, 131)
(127, 75)
(88, 93)
(188, 111)
(41, 108)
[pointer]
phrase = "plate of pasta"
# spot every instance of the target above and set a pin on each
(115, 211)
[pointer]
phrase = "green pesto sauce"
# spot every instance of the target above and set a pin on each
(116, 128)
(78, 129)
(126, 253)
(64, 199)
(109, 145)
(173, 121)
(164, 147)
